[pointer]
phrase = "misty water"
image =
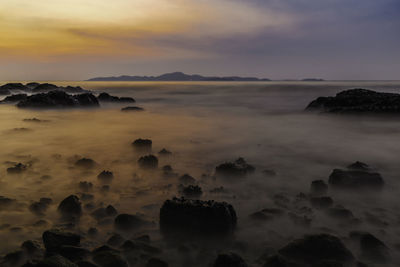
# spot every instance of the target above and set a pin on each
(203, 125)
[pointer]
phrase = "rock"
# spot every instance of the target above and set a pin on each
(14, 87)
(85, 264)
(14, 98)
(102, 213)
(135, 245)
(197, 217)
(269, 173)
(14, 258)
(279, 261)
(115, 240)
(105, 176)
(229, 260)
(32, 85)
(355, 179)
(319, 187)
(128, 222)
(33, 120)
(142, 144)
(58, 99)
(92, 231)
(74, 253)
(239, 168)
(186, 179)
(313, 249)
(4, 91)
(104, 97)
(56, 261)
(85, 163)
(30, 247)
(358, 101)
(18, 168)
(340, 213)
(301, 220)
(73, 89)
(85, 186)
(70, 207)
(154, 262)
(87, 197)
(39, 208)
(372, 249)
(53, 240)
(126, 109)
(44, 88)
(358, 166)
(7, 203)
(192, 191)
(148, 162)
(321, 202)
(267, 214)
(164, 152)
(109, 258)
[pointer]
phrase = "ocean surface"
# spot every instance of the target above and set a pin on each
(204, 124)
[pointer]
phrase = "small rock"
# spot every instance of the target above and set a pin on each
(132, 109)
(164, 152)
(321, 202)
(238, 168)
(148, 162)
(142, 144)
(70, 207)
(85, 163)
(18, 168)
(229, 260)
(105, 176)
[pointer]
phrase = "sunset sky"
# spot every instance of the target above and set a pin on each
(79, 39)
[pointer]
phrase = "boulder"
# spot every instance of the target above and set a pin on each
(238, 168)
(14, 87)
(313, 249)
(55, 261)
(132, 109)
(58, 99)
(358, 101)
(104, 97)
(355, 179)
(128, 222)
(53, 240)
(180, 215)
(70, 207)
(148, 162)
(372, 249)
(229, 260)
(102, 213)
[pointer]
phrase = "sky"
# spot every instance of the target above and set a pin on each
(277, 39)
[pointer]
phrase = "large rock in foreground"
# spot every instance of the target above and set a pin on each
(197, 217)
(316, 249)
(358, 101)
(58, 99)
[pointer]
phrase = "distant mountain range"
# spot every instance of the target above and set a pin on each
(178, 76)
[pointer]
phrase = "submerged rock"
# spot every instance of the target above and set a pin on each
(180, 215)
(58, 99)
(164, 152)
(104, 97)
(53, 240)
(70, 207)
(127, 109)
(267, 214)
(229, 260)
(321, 202)
(128, 222)
(358, 101)
(372, 249)
(237, 168)
(312, 249)
(55, 261)
(105, 176)
(85, 186)
(85, 163)
(319, 187)
(192, 191)
(102, 213)
(142, 144)
(109, 258)
(18, 168)
(359, 166)
(355, 179)
(148, 162)
(186, 179)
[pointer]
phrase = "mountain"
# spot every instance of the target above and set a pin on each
(177, 76)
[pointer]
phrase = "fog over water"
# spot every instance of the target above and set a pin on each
(203, 124)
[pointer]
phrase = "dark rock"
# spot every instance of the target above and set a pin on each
(85, 264)
(115, 240)
(372, 249)
(85, 186)
(34, 120)
(18, 168)
(70, 207)
(197, 217)
(218, 190)
(104, 97)
(142, 144)
(319, 187)
(154, 262)
(186, 179)
(321, 202)
(102, 213)
(301, 220)
(143, 238)
(32, 85)
(105, 176)
(135, 245)
(229, 260)
(355, 179)
(92, 231)
(358, 101)
(359, 166)
(58, 99)
(164, 152)
(267, 214)
(279, 261)
(53, 240)
(87, 197)
(192, 191)
(6, 203)
(109, 259)
(85, 163)
(4, 91)
(14, 87)
(14, 98)
(148, 162)
(73, 89)
(132, 109)
(340, 213)
(128, 222)
(14, 258)
(239, 168)
(39, 208)
(56, 261)
(74, 253)
(30, 247)
(313, 249)
(44, 88)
